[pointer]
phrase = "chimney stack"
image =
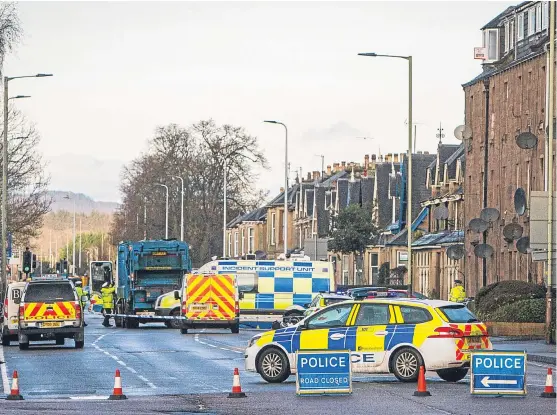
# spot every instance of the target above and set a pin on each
(395, 158)
(328, 170)
(373, 158)
(343, 165)
(426, 152)
(309, 176)
(388, 157)
(335, 167)
(316, 175)
(282, 189)
(366, 161)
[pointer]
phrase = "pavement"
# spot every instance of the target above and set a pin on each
(164, 371)
(537, 350)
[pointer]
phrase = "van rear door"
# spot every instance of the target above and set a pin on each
(210, 297)
(49, 301)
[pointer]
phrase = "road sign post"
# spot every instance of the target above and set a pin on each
(323, 372)
(498, 372)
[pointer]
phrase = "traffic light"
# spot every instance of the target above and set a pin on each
(34, 262)
(65, 267)
(27, 257)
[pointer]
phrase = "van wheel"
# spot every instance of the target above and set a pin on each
(273, 365)
(405, 364)
(235, 328)
(79, 344)
(452, 375)
(59, 341)
(184, 331)
(23, 346)
(174, 324)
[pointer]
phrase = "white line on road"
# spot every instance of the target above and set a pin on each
(5, 382)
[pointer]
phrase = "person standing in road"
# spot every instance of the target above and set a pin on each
(81, 293)
(107, 292)
(458, 294)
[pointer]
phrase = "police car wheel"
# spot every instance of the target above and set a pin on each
(273, 366)
(406, 364)
(452, 375)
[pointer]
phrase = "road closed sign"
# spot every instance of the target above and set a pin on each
(498, 373)
(323, 372)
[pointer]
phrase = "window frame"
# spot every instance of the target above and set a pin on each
(538, 17)
(531, 21)
(236, 241)
(243, 244)
(251, 240)
(413, 307)
(327, 310)
(507, 36)
(273, 228)
(230, 244)
(545, 15)
(373, 267)
(512, 32)
(520, 26)
(372, 304)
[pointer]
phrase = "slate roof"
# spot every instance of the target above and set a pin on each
(420, 193)
(256, 215)
(445, 151)
(279, 200)
(439, 238)
(496, 21)
(451, 161)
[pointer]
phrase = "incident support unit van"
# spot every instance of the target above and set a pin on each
(10, 321)
(209, 301)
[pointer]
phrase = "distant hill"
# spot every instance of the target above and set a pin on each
(83, 203)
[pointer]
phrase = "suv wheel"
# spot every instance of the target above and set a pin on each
(406, 364)
(273, 365)
(452, 375)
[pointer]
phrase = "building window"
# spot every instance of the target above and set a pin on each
(243, 242)
(531, 21)
(235, 244)
(251, 242)
(520, 23)
(511, 46)
(229, 244)
(401, 258)
(506, 91)
(507, 36)
(345, 269)
(373, 267)
(545, 15)
(273, 228)
(538, 17)
(492, 44)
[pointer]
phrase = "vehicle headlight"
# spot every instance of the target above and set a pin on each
(252, 341)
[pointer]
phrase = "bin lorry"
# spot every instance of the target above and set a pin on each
(146, 270)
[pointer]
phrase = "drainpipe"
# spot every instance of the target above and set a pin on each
(486, 166)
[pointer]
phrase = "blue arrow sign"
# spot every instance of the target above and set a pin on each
(498, 372)
(323, 372)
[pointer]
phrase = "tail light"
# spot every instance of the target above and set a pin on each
(237, 308)
(77, 308)
(184, 308)
(447, 332)
(6, 308)
(21, 312)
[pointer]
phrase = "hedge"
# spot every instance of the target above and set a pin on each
(489, 299)
(523, 311)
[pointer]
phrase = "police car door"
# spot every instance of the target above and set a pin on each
(373, 331)
(327, 329)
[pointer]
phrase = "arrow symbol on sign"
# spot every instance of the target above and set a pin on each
(486, 382)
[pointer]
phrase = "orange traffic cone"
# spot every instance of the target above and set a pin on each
(14, 394)
(549, 391)
(422, 388)
(236, 387)
(117, 393)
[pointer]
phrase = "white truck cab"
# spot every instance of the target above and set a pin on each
(10, 309)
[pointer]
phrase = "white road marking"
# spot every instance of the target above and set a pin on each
(196, 338)
(5, 382)
(87, 398)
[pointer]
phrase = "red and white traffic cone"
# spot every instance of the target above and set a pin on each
(549, 391)
(236, 387)
(117, 393)
(422, 388)
(14, 394)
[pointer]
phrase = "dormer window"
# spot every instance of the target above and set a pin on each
(520, 24)
(545, 14)
(538, 17)
(531, 21)
(491, 43)
(507, 37)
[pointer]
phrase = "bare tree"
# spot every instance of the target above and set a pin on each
(10, 30)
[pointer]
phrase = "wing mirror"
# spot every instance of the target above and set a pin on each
(176, 295)
(84, 298)
(241, 295)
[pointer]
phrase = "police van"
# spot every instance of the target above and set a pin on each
(269, 287)
(10, 308)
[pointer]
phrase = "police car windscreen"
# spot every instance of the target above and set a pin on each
(458, 314)
(50, 291)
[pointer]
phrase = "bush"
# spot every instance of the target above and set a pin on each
(523, 311)
(499, 294)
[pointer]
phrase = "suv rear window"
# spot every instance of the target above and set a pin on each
(458, 314)
(49, 292)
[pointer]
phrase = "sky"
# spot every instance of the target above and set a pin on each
(123, 68)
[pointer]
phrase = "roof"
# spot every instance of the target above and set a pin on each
(256, 215)
(439, 238)
(279, 200)
(496, 21)
(401, 239)
(338, 175)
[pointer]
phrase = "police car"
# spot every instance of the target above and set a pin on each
(384, 336)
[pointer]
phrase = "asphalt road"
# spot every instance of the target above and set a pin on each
(164, 371)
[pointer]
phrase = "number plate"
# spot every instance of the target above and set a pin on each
(199, 307)
(52, 324)
(145, 313)
(474, 341)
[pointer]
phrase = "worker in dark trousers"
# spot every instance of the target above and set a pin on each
(107, 293)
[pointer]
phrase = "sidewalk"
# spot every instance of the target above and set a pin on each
(537, 350)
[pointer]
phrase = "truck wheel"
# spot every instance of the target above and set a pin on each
(133, 323)
(59, 341)
(118, 321)
(23, 346)
(79, 344)
(235, 328)
(184, 331)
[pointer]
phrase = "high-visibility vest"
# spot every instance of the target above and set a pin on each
(108, 296)
(457, 295)
(80, 294)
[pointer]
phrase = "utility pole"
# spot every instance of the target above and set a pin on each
(80, 238)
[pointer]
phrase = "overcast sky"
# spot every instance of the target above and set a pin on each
(121, 69)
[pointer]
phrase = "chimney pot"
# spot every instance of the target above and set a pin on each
(395, 158)
(426, 152)
(282, 189)
(315, 175)
(328, 170)
(309, 176)
(373, 157)
(343, 164)
(388, 157)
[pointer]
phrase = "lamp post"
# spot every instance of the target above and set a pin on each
(225, 185)
(7, 79)
(181, 208)
(409, 173)
(166, 221)
(285, 184)
(73, 250)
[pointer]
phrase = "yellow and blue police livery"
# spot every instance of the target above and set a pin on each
(272, 286)
(384, 336)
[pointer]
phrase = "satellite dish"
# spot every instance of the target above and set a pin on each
(512, 231)
(260, 255)
(478, 225)
(441, 213)
(523, 244)
(489, 214)
(520, 201)
(526, 140)
(463, 132)
(455, 252)
(483, 251)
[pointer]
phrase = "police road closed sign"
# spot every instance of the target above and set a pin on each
(497, 372)
(323, 372)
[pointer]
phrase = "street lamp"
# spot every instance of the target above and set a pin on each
(7, 79)
(181, 208)
(285, 184)
(166, 222)
(73, 251)
(409, 197)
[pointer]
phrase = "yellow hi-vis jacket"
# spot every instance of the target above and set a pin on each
(80, 293)
(457, 295)
(108, 296)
